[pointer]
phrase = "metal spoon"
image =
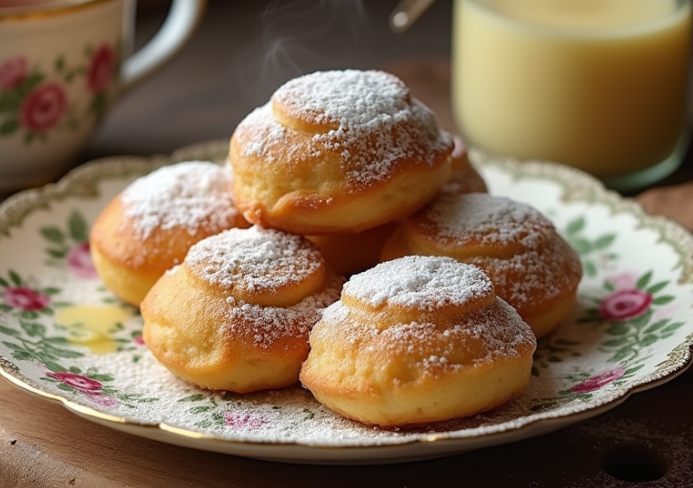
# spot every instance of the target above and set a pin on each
(406, 13)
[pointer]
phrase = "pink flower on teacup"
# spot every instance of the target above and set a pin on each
(598, 380)
(624, 305)
(43, 107)
(79, 261)
(25, 298)
(77, 381)
(101, 68)
(13, 72)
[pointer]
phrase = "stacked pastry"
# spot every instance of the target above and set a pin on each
(339, 156)
(339, 171)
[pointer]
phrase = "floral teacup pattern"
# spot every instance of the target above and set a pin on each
(35, 101)
(63, 66)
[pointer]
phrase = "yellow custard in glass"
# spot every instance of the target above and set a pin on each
(596, 84)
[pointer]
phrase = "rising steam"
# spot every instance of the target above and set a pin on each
(302, 36)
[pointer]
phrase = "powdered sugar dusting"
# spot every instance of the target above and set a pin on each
(419, 282)
(288, 424)
(368, 117)
(480, 336)
(534, 276)
(266, 325)
(347, 98)
(486, 218)
(528, 262)
(254, 259)
(184, 195)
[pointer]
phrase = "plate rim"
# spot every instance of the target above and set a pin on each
(84, 179)
(308, 453)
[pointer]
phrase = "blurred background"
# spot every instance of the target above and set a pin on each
(244, 49)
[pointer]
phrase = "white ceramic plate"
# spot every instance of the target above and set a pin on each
(64, 337)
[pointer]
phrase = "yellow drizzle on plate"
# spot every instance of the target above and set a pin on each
(93, 325)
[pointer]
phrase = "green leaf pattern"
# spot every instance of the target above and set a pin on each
(622, 315)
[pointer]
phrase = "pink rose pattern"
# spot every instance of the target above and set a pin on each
(624, 305)
(627, 301)
(26, 299)
(90, 385)
(13, 72)
(90, 388)
(79, 382)
(79, 261)
(102, 399)
(101, 69)
(68, 245)
(243, 421)
(599, 380)
(36, 102)
(630, 297)
(22, 298)
(43, 108)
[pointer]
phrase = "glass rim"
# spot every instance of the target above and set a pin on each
(683, 8)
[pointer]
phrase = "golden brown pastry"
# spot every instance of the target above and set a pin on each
(338, 151)
(237, 313)
(465, 177)
(149, 226)
(352, 252)
(416, 340)
(532, 267)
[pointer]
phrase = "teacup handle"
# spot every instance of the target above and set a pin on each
(180, 24)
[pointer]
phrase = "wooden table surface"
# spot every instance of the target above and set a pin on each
(201, 96)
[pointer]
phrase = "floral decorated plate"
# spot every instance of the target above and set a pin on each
(64, 337)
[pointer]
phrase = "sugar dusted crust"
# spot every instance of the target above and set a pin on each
(221, 321)
(418, 352)
(149, 227)
(532, 267)
(233, 265)
(338, 151)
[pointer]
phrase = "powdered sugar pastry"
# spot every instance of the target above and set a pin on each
(368, 117)
(419, 282)
(188, 195)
